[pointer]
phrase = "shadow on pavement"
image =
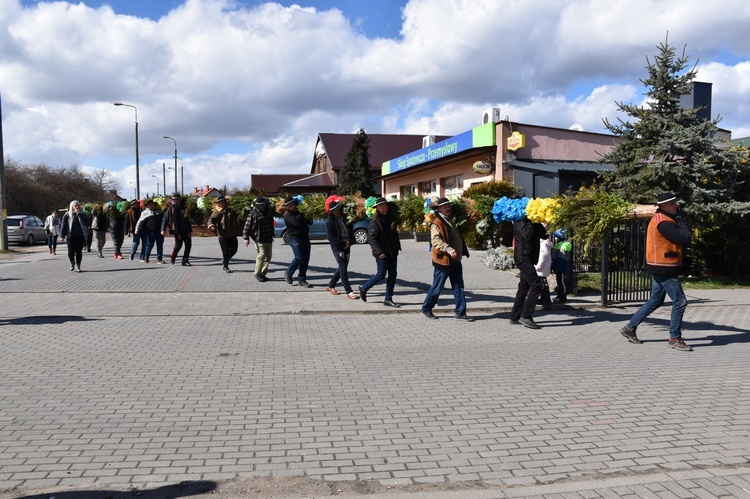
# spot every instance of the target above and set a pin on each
(43, 319)
(182, 489)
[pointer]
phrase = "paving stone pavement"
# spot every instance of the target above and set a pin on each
(133, 375)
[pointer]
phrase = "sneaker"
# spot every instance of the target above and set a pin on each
(362, 294)
(226, 270)
(100, 255)
(288, 279)
(464, 318)
(630, 335)
(132, 257)
(390, 303)
(429, 314)
(119, 256)
(72, 267)
(142, 260)
(529, 323)
(171, 261)
(187, 264)
(305, 284)
(160, 262)
(78, 269)
(679, 344)
(515, 322)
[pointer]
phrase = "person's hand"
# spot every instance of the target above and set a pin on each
(212, 228)
(452, 253)
(162, 233)
(247, 242)
(382, 256)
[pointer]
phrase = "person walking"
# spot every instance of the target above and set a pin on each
(340, 239)
(73, 227)
(52, 228)
(385, 245)
(561, 254)
(298, 232)
(89, 231)
(527, 238)
(116, 224)
(543, 269)
(667, 238)
(132, 217)
(259, 227)
(225, 223)
(147, 228)
(99, 225)
(179, 226)
(447, 249)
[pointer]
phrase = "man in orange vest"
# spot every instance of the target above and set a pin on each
(667, 237)
(447, 249)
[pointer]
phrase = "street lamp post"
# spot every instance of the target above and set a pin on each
(137, 160)
(175, 160)
(182, 175)
(157, 185)
(164, 177)
(135, 190)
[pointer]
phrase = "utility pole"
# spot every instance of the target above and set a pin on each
(3, 214)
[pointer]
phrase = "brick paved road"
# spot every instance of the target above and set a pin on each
(100, 387)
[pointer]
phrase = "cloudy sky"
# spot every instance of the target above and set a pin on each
(245, 86)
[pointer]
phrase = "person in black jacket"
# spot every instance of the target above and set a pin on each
(385, 245)
(340, 239)
(298, 232)
(99, 226)
(527, 237)
(73, 226)
(177, 223)
(225, 223)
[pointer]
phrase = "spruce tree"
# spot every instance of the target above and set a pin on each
(355, 176)
(668, 148)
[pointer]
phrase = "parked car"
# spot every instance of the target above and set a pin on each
(318, 230)
(25, 229)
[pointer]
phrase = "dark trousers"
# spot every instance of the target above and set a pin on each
(342, 272)
(154, 238)
(75, 250)
(89, 238)
(301, 250)
(389, 266)
(179, 239)
(529, 289)
(228, 247)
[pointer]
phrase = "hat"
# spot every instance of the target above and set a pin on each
(440, 202)
(135, 201)
(260, 201)
(176, 195)
(380, 201)
(147, 202)
(335, 205)
(666, 197)
(290, 200)
(221, 199)
(560, 233)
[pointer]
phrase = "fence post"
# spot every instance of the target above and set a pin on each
(605, 270)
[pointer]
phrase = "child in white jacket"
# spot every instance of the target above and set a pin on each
(543, 269)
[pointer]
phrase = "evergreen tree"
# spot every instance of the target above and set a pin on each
(355, 176)
(668, 148)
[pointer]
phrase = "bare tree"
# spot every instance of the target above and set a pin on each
(105, 180)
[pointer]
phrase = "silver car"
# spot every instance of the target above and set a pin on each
(25, 229)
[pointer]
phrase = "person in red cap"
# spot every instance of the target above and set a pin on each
(667, 237)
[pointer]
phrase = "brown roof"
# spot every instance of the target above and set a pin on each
(317, 180)
(383, 147)
(271, 183)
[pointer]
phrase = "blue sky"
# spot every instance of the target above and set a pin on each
(245, 86)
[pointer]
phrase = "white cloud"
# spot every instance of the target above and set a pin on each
(246, 90)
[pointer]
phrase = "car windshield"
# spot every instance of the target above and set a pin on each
(14, 222)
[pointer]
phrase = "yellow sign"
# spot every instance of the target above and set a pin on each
(516, 141)
(482, 167)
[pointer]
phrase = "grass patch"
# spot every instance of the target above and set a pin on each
(592, 282)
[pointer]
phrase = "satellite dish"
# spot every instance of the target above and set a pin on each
(576, 127)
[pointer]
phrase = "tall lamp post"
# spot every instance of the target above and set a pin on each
(182, 175)
(3, 222)
(135, 190)
(175, 160)
(137, 160)
(157, 185)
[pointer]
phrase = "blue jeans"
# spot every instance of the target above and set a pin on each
(342, 272)
(660, 287)
(388, 266)
(151, 239)
(137, 240)
(456, 274)
(301, 250)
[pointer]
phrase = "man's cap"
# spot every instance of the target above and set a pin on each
(335, 205)
(380, 201)
(147, 202)
(135, 201)
(666, 197)
(440, 202)
(176, 195)
(221, 199)
(260, 201)
(290, 200)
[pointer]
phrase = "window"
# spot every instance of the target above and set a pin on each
(454, 186)
(428, 189)
(408, 189)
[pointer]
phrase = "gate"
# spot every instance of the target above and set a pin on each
(624, 278)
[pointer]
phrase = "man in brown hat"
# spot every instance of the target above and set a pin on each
(224, 223)
(667, 237)
(385, 245)
(259, 228)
